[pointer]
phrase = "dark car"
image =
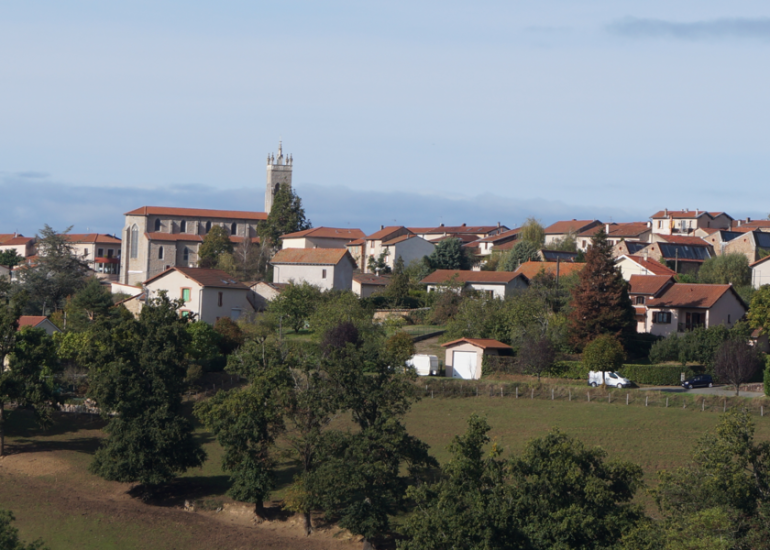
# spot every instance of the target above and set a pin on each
(700, 381)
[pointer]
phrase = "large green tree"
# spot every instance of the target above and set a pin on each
(600, 302)
(533, 232)
(398, 288)
(11, 258)
(294, 306)
(449, 254)
(727, 268)
(215, 243)
(522, 251)
(139, 377)
(286, 216)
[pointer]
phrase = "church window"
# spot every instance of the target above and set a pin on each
(160, 252)
(186, 254)
(208, 226)
(233, 228)
(183, 226)
(157, 224)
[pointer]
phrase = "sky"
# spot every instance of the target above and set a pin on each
(414, 113)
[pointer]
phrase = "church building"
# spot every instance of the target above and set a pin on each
(156, 238)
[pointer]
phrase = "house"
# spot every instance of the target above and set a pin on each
(372, 245)
(366, 284)
(641, 265)
(616, 233)
(495, 284)
(208, 294)
(100, 252)
(752, 244)
(24, 246)
(560, 230)
(686, 258)
(718, 239)
(464, 357)
(262, 293)
(642, 288)
(321, 237)
(681, 307)
(36, 321)
(156, 238)
(546, 255)
(490, 244)
(407, 247)
(529, 270)
(466, 233)
(683, 222)
(760, 272)
(748, 223)
(326, 268)
(627, 248)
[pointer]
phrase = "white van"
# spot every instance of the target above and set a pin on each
(612, 379)
(425, 365)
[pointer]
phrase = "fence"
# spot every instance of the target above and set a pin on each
(447, 389)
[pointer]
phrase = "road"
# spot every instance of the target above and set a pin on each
(726, 391)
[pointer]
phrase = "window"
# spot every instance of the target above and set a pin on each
(134, 242)
(185, 314)
(208, 226)
(100, 253)
(157, 224)
(110, 252)
(185, 295)
(160, 252)
(640, 300)
(220, 299)
(85, 252)
(323, 274)
(233, 228)
(183, 226)
(662, 317)
(186, 254)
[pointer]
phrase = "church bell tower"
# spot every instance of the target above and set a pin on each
(278, 172)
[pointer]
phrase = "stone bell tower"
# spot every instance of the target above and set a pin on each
(278, 172)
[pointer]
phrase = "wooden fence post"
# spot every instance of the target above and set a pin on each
(589, 396)
(626, 399)
(570, 394)
(703, 405)
(646, 400)
(724, 408)
(533, 394)
(517, 392)
(666, 402)
(551, 394)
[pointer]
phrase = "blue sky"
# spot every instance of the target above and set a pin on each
(395, 112)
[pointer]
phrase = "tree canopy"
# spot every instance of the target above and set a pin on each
(449, 254)
(533, 232)
(727, 268)
(286, 216)
(523, 251)
(215, 243)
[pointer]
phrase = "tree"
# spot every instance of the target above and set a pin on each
(9, 535)
(398, 287)
(215, 243)
(379, 265)
(140, 377)
(600, 302)
(449, 254)
(728, 268)
(759, 311)
(93, 300)
(536, 355)
(286, 216)
(337, 307)
(28, 380)
(523, 251)
(245, 263)
(398, 349)
(230, 335)
(482, 317)
(56, 273)
(568, 243)
(11, 258)
(295, 304)
(533, 232)
(736, 362)
(604, 354)
(336, 338)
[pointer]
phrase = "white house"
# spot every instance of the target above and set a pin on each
(321, 237)
(560, 230)
(408, 248)
(207, 293)
(366, 284)
(464, 357)
(760, 272)
(262, 293)
(326, 268)
(639, 265)
(684, 222)
(495, 284)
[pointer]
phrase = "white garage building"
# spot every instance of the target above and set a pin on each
(464, 356)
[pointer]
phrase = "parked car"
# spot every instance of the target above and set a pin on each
(700, 381)
(610, 379)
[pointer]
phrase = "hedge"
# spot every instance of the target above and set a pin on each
(569, 369)
(659, 375)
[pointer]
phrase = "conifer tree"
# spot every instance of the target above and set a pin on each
(286, 216)
(600, 302)
(398, 288)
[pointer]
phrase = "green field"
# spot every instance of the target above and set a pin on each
(54, 496)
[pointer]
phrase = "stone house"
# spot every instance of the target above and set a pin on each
(464, 357)
(326, 268)
(628, 248)
(321, 237)
(208, 294)
(752, 244)
(719, 238)
(686, 258)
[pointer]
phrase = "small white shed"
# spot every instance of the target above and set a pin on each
(464, 356)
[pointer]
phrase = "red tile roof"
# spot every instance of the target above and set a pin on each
(385, 232)
(682, 239)
(357, 242)
(196, 212)
(510, 234)
(571, 226)
(442, 276)
(654, 267)
(92, 238)
(594, 230)
(754, 224)
(462, 229)
(215, 278)
(759, 261)
(310, 256)
(31, 320)
(678, 214)
(368, 279)
(633, 229)
(397, 240)
(327, 233)
(681, 295)
(16, 241)
(648, 284)
(531, 269)
(5, 236)
(483, 343)
(465, 238)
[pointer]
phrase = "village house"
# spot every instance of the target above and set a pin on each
(372, 246)
(487, 245)
(685, 222)
(495, 284)
(366, 284)
(561, 230)
(546, 255)
(760, 272)
(262, 293)
(464, 358)
(529, 270)
(321, 237)
(466, 233)
(406, 247)
(642, 288)
(628, 248)
(684, 258)
(24, 246)
(616, 233)
(38, 321)
(326, 268)
(100, 252)
(641, 265)
(208, 294)
(752, 244)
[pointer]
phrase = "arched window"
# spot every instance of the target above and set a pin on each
(160, 252)
(208, 226)
(157, 224)
(233, 228)
(134, 242)
(183, 226)
(186, 254)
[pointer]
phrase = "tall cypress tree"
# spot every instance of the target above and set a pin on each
(600, 302)
(286, 216)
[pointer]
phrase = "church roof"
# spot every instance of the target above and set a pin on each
(197, 213)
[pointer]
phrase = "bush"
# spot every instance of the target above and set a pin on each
(766, 380)
(659, 375)
(499, 364)
(604, 353)
(574, 370)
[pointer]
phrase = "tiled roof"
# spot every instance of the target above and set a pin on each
(460, 229)
(92, 238)
(357, 242)
(197, 213)
(570, 226)
(31, 320)
(419, 229)
(310, 256)
(681, 295)
(633, 229)
(756, 223)
(441, 276)
(327, 233)
(278, 287)
(588, 233)
(483, 343)
(678, 214)
(510, 234)
(682, 239)
(715, 214)
(15, 241)
(654, 267)
(368, 279)
(463, 237)
(648, 284)
(759, 261)
(397, 240)
(215, 278)
(531, 269)
(5, 236)
(385, 232)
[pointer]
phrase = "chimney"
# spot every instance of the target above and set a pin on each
(498, 224)
(607, 228)
(697, 211)
(382, 227)
(748, 219)
(665, 213)
(441, 225)
(463, 225)
(649, 224)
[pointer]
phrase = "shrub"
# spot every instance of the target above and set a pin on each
(575, 370)
(658, 375)
(604, 353)
(766, 380)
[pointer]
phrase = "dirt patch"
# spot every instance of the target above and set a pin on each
(36, 465)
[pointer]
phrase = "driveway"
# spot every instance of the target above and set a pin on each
(726, 391)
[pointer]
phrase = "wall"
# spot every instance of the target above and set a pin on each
(410, 250)
(498, 290)
(727, 305)
(365, 290)
(760, 274)
(743, 245)
(311, 274)
(661, 329)
(232, 299)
